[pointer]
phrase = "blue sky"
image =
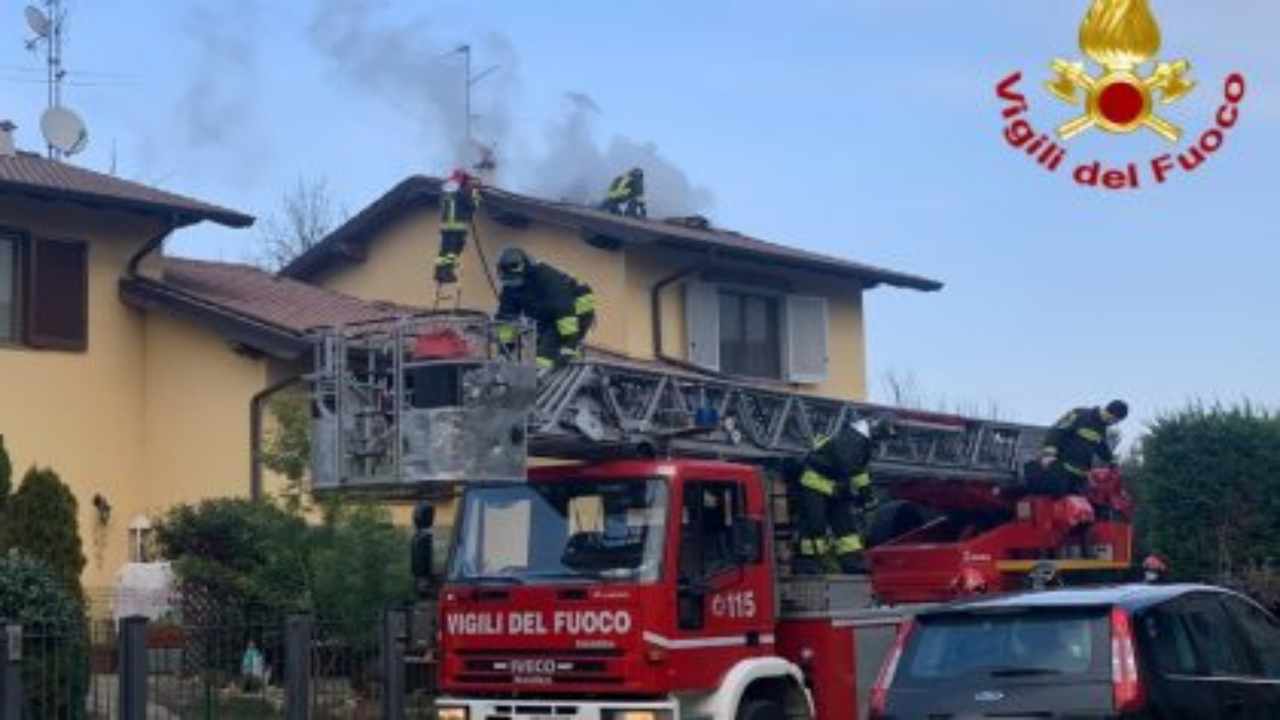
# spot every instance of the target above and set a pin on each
(865, 128)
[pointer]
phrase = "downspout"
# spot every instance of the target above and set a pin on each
(655, 309)
(131, 270)
(256, 405)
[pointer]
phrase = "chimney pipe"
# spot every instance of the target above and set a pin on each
(7, 147)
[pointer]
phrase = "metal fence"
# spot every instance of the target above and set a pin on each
(298, 668)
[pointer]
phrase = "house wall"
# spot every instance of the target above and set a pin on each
(153, 413)
(196, 413)
(399, 264)
(81, 413)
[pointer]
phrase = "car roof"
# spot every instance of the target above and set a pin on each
(1131, 597)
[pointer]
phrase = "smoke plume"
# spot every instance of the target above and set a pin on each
(407, 67)
(217, 109)
(402, 66)
(574, 168)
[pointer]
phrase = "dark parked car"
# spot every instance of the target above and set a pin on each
(1165, 652)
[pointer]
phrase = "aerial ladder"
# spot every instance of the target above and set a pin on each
(422, 403)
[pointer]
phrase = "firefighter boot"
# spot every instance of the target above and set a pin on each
(446, 274)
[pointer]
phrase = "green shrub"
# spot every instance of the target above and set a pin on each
(55, 665)
(41, 521)
(1209, 491)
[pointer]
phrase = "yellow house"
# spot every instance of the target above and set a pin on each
(669, 291)
(134, 376)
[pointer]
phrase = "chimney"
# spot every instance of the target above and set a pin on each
(7, 148)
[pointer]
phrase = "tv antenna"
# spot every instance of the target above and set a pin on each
(471, 81)
(64, 131)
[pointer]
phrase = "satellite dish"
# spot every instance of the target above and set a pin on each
(39, 23)
(64, 130)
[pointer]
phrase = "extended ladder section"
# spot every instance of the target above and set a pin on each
(598, 409)
(448, 398)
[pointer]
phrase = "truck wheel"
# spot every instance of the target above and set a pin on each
(894, 519)
(760, 710)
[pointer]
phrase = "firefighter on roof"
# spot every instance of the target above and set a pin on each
(626, 195)
(1071, 446)
(457, 208)
(834, 490)
(562, 308)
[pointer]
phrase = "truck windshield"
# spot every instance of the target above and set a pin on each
(563, 530)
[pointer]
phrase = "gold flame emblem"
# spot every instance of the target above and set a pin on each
(1121, 36)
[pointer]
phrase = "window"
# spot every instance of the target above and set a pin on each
(708, 516)
(738, 331)
(10, 289)
(750, 343)
(1262, 632)
(1170, 644)
(44, 292)
(570, 529)
(1214, 637)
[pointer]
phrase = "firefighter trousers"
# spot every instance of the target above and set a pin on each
(819, 511)
(451, 244)
(557, 349)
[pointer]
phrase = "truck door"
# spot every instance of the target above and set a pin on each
(724, 606)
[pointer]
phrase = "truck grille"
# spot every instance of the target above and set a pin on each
(539, 667)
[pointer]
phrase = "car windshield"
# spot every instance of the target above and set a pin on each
(562, 530)
(1022, 644)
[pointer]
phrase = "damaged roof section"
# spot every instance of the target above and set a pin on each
(38, 177)
(252, 307)
(349, 242)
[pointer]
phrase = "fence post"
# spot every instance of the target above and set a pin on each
(10, 671)
(297, 667)
(133, 668)
(394, 636)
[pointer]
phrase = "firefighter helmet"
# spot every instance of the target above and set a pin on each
(513, 263)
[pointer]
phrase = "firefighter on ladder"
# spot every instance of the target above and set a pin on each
(834, 491)
(457, 209)
(626, 195)
(562, 308)
(1071, 446)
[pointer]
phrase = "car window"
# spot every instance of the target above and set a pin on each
(1030, 644)
(1261, 631)
(1215, 638)
(1169, 643)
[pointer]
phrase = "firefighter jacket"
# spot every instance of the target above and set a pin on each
(551, 298)
(1077, 438)
(457, 209)
(626, 187)
(838, 464)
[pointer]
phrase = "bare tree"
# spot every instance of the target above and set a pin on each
(902, 389)
(305, 216)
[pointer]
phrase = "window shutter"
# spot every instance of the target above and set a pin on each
(702, 324)
(58, 295)
(806, 348)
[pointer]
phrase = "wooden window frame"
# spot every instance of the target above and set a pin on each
(28, 294)
(779, 301)
(18, 310)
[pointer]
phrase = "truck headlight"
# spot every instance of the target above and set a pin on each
(451, 713)
(637, 715)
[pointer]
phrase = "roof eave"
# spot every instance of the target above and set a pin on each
(185, 215)
(273, 340)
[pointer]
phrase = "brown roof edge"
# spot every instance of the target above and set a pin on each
(349, 241)
(38, 177)
(271, 339)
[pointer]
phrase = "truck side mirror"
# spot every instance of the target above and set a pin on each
(748, 543)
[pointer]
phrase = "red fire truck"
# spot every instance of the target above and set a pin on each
(655, 586)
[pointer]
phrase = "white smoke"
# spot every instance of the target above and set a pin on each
(575, 168)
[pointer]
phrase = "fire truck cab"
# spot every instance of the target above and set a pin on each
(643, 590)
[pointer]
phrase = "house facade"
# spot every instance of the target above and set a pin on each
(131, 374)
(667, 291)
